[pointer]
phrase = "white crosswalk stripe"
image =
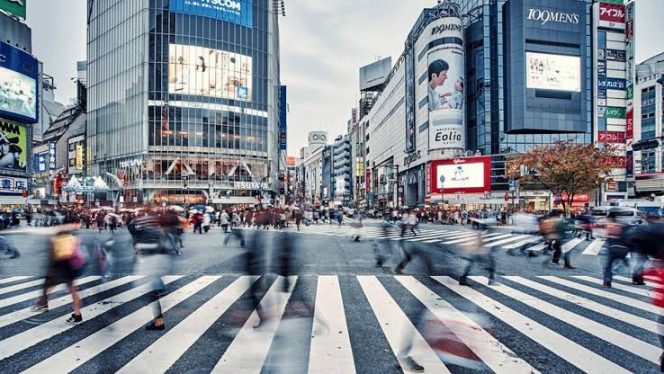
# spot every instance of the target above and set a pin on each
(454, 329)
(450, 236)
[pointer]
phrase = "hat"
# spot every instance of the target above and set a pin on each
(6, 140)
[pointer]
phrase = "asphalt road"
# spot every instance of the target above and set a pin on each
(339, 313)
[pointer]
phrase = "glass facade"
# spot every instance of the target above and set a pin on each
(486, 82)
(648, 120)
(177, 96)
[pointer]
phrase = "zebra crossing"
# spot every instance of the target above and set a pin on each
(446, 235)
(335, 324)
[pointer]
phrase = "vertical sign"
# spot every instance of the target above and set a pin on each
(629, 167)
(629, 81)
(410, 99)
(283, 126)
(51, 155)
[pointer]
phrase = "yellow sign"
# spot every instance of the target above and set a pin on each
(79, 156)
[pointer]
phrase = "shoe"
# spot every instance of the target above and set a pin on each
(152, 327)
(463, 281)
(398, 271)
(661, 363)
(607, 284)
(555, 262)
(639, 283)
(411, 365)
(75, 319)
(568, 266)
(39, 308)
(492, 282)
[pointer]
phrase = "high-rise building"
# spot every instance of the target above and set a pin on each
(342, 170)
(648, 121)
(183, 99)
(20, 78)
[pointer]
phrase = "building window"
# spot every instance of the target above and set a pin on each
(601, 39)
(601, 124)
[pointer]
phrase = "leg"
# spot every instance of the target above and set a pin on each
(73, 290)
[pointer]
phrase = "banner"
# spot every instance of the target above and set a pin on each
(611, 137)
(13, 146)
(610, 83)
(236, 11)
(410, 100)
(15, 7)
(446, 86)
(79, 156)
(283, 111)
(612, 15)
(615, 112)
(629, 164)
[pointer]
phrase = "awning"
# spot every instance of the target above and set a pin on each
(12, 200)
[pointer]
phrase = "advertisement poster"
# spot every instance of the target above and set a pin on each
(607, 83)
(612, 15)
(236, 11)
(446, 86)
(79, 156)
(629, 164)
(410, 101)
(612, 137)
(13, 146)
(553, 72)
(18, 84)
(614, 55)
(13, 185)
(615, 112)
(283, 112)
(209, 72)
(468, 175)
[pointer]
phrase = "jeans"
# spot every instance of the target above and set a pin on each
(615, 252)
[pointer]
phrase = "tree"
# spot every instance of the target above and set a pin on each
(564, 168)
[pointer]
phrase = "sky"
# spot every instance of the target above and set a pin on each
(323, 45)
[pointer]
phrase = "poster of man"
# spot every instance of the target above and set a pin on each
(446, 96)
(13, 146)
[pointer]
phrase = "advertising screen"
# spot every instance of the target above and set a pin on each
(410, 100)
(471, 175)
(446, 87)
(553, 72)
(13, 146)
(236, 11)
(18, 84)
(209, 72)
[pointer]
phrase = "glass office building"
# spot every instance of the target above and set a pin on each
(486, 23)
(183, 99)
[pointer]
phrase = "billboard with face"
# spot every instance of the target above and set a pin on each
(18, 84)
(445, 80)
(13, 146)
(203, 71)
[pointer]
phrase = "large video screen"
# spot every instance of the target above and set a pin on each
(553, 72)
(18, 94)
(236, 11)
(209, 72)
(468, 175)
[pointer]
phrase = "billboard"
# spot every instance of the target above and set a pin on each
(375, 74)
(612, 15)
(13, 146)
(18, 84)
(14, 7)
(410, 100)
(468, 175)
(614, 55)
(615, 112)
(12, 184)
(608, 83)
(613, 137)
(40, 162)
(283, 110)
(203, 71)
(446, 86)
(236, 11)
(553, 72)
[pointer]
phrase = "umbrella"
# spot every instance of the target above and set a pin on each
(209, 209)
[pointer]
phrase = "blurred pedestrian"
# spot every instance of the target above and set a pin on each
(476, 251)
(656, 271)
(66, 263)
(616, 246)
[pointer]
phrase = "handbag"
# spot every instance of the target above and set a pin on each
(78, 258)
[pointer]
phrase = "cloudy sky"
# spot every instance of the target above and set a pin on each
(323, 44)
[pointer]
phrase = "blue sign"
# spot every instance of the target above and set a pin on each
(19, 74)
(236, 11)
(607, 83)
(283, 125)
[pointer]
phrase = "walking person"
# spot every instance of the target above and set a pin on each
(475, 251)
(153, 260)
(66, 263)
(656, 271)
(224, 221)
(616, 246)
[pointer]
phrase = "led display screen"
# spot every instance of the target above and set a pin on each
(209, 72)
(553, 72)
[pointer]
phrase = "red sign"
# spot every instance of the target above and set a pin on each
(467, 175)
(629, 132)
(367, 180)
(612, 12)
(620, 162)
(611, 137)
(629, 30)
(427, 173)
